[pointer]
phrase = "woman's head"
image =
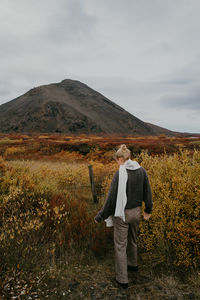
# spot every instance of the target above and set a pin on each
(122, 154)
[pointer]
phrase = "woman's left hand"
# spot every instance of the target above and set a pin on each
(146, 216)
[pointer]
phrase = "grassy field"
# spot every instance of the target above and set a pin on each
(76, 148)
(52, 249)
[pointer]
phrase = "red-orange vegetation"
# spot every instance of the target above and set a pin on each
(91, 147)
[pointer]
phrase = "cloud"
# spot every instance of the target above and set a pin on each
(69, 24)
(143, 55)
(182, 89)
(191, 101)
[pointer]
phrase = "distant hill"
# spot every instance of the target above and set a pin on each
(167, 132)
(161, 130)
(69, 107)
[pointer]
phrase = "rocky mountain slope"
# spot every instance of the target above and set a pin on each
(69, 107)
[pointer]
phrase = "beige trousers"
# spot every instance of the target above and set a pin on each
(125, 242)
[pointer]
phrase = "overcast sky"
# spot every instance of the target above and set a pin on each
(142, 54)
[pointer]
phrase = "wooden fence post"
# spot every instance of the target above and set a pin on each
(95, 200)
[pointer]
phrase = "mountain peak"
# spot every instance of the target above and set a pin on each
(69, 106)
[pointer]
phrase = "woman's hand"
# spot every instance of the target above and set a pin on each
(95, 221)
(146, 216)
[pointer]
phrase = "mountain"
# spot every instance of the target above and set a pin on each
(69, 107)
(161, 130)
(167, 132)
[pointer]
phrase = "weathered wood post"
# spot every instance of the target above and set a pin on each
(95, 200)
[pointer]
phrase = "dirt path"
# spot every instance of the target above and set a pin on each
(96, 282)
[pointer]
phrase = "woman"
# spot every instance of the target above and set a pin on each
(122, 208)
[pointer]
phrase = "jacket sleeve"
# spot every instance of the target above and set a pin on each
(108, 208)
(147, 195)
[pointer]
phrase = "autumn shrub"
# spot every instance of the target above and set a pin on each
(22, 219)
(173, 231)
(68, 156)
(174, 228)
(2, 166)
(102, 171)
(40, 217)
(46, 210)
(11, 151)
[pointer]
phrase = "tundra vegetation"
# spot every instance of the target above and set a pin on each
(50, 244)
